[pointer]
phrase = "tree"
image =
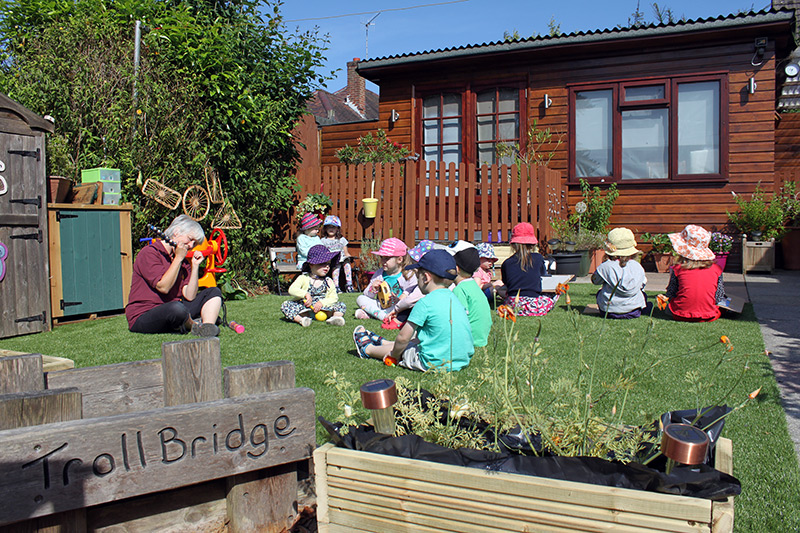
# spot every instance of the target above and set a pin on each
(219, 84)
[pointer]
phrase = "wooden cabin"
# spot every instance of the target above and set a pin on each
(678, 115)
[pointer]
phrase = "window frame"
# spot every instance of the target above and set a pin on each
(669, 102)
(469, 104)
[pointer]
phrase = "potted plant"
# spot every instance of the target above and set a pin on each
(661, 250)
(317, 203)
(368, 263)
(721, 245)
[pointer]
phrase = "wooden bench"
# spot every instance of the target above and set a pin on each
(282, 260)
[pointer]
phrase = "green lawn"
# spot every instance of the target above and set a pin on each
(764, 457)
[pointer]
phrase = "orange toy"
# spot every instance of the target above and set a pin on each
(215, 249)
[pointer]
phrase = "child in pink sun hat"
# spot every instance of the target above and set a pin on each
(522, 274)
(695, 282)
(307, 236)
(393, 254)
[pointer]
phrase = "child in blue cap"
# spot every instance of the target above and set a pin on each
(437, 334)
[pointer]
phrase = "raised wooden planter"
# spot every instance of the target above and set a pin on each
(758, 255)
(361, 491)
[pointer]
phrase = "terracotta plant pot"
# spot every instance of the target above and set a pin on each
(662, 261)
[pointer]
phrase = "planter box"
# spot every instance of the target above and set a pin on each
(361, 491)
(758, 255)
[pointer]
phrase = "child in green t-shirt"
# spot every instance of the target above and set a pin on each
(471, 296)
(437, 334)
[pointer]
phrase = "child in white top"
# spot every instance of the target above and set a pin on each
(393, 255)
(334, 241)
(622, 278)
(315, 291)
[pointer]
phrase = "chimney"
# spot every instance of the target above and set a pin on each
(356, 87)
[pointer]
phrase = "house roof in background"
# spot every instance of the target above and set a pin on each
(335, 108)
(726, 22)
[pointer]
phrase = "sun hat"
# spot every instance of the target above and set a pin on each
(457, 246)
(392, 247)
(309, 220)
(436, 262)
(320, 255)
(692, 243)
(468, 260)
(486, 251)
(523, 233)
(621, 242)
(332, 220)
(422, 248)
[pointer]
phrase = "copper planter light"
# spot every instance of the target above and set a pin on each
(379, 396)
(684, 444)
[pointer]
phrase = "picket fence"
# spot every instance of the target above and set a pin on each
(426, 200)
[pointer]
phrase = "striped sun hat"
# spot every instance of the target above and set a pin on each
(309, 220)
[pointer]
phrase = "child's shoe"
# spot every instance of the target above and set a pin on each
(336, 321)
(361, 338)
(305, 321)
(361, 314)
(200, 329)
(349, 288)
(390, 323)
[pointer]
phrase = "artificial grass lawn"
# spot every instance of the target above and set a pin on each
(764, 457)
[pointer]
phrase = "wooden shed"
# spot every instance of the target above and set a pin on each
(24, 271)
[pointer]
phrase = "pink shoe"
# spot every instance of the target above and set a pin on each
(361, 314)
(391, 324)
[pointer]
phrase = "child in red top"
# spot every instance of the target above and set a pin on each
(695, 282)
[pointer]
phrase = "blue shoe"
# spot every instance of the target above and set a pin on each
(362, 340)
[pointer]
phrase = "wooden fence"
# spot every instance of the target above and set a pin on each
(419, 200)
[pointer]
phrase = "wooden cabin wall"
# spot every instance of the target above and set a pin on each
(787, 146)
(652, 207)
(336, 136)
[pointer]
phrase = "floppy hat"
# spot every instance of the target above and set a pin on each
(486, 251)
(458, 246)
(392, 247)
(332, 220)
(437, 262)
(309, 220)
(320, 255)
(468, 260)
(621, 242)
(692, 243)
(422, 248)
(523, 233)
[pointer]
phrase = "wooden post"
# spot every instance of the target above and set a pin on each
(21, 373)
(264, 500)
(192, 371)
(44, 407)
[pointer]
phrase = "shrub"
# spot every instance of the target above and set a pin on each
(373, 149)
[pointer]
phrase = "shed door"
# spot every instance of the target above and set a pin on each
(25, 287)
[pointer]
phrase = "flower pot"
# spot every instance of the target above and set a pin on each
(568, 263)
(758, 256)
(58, 189)
(662, 261)
(721, 259)
(370, 207)
(375, 492)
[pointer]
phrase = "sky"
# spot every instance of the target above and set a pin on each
(401, 27)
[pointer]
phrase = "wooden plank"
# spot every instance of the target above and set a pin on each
(21, 373)
(608, 497)
(31, 408)
(449, 192)
(126, 254)
(722, 512)
(410, 191)
(114, 389)
(191, 371)
(265, 500)
(99, 460)
(321, 486)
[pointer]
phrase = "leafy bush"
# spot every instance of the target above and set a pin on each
(216, 86)
(660, 242)
(369, 261)
(770, 216)
(588, 229)
(373, 149)
(313, 203)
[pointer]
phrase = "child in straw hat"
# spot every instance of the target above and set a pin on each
(622, 278)
(695, 282)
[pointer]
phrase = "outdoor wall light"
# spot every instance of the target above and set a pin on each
(548, 102)
(751, 86)
(395, 116)
(761, 48)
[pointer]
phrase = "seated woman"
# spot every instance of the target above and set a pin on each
(165, 296)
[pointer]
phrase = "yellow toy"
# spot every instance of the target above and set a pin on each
(384, 295)
(215, 249)
(322, 316)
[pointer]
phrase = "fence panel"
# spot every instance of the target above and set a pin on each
(441, 202)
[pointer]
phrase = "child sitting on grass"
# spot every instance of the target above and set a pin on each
(398, 315)
(316, 292)
(695, 283)
(307, 236)
(437, 334)
(393, 258)
(522, 274)
(470, 295)
(493, 289)
(622, 278)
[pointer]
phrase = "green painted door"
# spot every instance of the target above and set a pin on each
(91, 269)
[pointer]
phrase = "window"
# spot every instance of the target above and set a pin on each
(649, 130)
(467, 125)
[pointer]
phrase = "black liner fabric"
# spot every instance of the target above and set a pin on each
(700, 481)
